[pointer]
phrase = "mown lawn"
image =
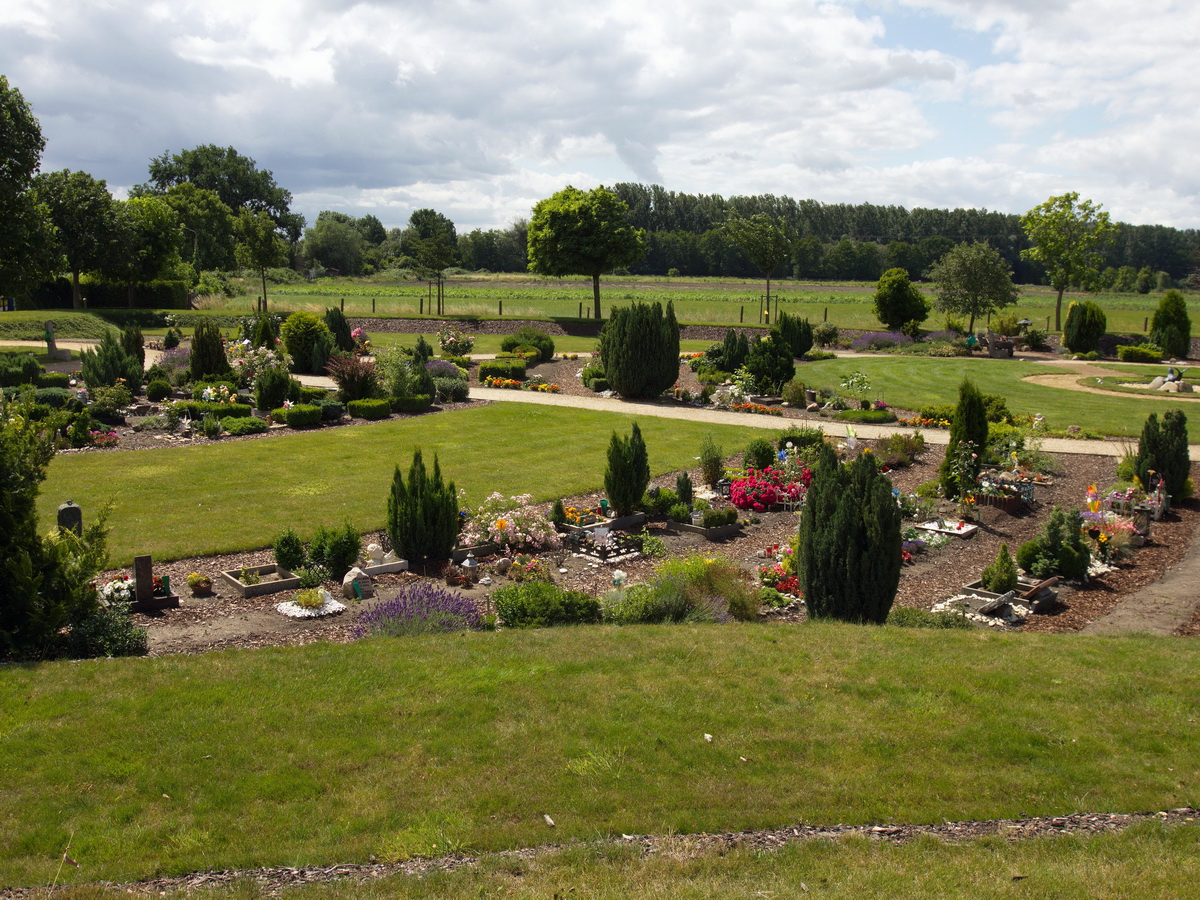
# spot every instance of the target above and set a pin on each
(405, 747)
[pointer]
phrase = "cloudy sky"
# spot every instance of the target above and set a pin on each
(479, 108)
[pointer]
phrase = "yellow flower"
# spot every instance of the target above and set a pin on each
(501, 524)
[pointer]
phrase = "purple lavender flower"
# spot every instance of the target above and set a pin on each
(442, 368)
(422, 608)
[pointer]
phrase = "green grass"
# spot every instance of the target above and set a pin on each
(332, 753)
(490, 343)
(218, 498)
(911, 382)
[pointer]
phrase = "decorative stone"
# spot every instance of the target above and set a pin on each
(357, 576)
(503, 565)
(813, 407)
(1158, 382)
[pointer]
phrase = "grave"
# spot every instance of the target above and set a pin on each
(145, 597)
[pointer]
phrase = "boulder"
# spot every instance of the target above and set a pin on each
(365, 588)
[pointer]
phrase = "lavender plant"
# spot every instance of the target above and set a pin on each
(422, 608)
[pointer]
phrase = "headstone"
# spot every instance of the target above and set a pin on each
(999, 607)
(70, 518)
(357, 576)
(143, 577)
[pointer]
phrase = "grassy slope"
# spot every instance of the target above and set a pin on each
(191, 501)
(328, 753)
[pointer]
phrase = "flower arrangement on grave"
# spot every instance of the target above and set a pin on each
(778, 577)
(924, 422)
(116, 590)
(362, 343)
(526, 567)
(102, 439)
(200, 585)
(759, 489)
(512, 522)
(454, 341)
(250, 362)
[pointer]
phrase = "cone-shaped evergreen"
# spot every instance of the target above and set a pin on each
(339, 328)
(422, 514)
(1164, 450)
(849, 543)
(970, 424)
(640, 349)
(797, 333)
(1085, 325)
(208, 351)
(628, 471)
(1148, 452)
(1171, 327)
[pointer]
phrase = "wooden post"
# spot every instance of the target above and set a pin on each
(343, 304)
(421, 310)
(581, 310)
(501, 308)
(1146, 324)
(1047, 323)
(741, 315)
(372, 306)
(826, 318)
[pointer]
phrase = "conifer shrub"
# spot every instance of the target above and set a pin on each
(289, 551)
(271, 388)
(1058, 549)
(339, 329)
(208, 358)
(640, 348)
(307, 340)
(265, 333)
(628, 471)
(1171, 327)
(18, 369)
(133, 343)
(848, 551)
(422, 513)
(1001, 576)
(712, 461)
(110, 363)
(244, 425)
(159, 389)
(797, 333)
(970, 424)
(659, 501)
(1164, 452)
(770, 363)
(683, 487)
(334, 549)
(529, 337)
(1085, 325)
(734, 350)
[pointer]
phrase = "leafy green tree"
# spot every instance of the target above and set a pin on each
(234, 178)
(639, 345)
(898, 301)
(628, 471)
(207, 225)
(848, 549)
(1086, 324)
(422, 513)
(25, 234)
(577, 233)
(973, 280)
(431, 245)
(260, 246)
(146, 242)
(1067, 235)
(968, 427)
(84, 217)
(1171, 327)
(335, 244)
(763, 239)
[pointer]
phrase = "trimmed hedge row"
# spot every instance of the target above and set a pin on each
(197, 410)
(502, 368)
(370, 409)
(240, 426)
(417, 404)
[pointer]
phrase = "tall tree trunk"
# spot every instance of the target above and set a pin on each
(76, 302)
(596, 294)
(264, 294)
(1058, 310)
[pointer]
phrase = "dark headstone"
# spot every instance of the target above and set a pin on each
(70, 518)
(143, 577)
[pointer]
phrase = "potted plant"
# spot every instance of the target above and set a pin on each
(200, 584)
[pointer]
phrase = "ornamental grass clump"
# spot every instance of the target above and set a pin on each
(421, 608)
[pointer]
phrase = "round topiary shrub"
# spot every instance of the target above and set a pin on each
(760, 453)
(158, 390)
(529, 337)
(243, 425)
(418, 404)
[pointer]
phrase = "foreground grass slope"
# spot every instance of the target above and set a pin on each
(390, 747)
(224, 497)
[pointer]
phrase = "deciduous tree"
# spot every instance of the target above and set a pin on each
(431, 244)
(25, 235)
(898, 301)
(763, 239)
(260, 246)
(577, 233)
(83, 213)
(973, 280)
(1067, 236)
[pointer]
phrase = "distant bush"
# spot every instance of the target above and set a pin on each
(866, 416)
(1142, 353)
(528, 336)
(18, 369)
(1171, 327)
(245, 425)
(54, 380)
(370, 409)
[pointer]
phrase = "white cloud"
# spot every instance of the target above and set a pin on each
(481, 108)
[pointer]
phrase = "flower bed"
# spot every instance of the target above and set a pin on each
(922, 422)
(533, 384)
(756, 408)
(511, 523)
(761, 489)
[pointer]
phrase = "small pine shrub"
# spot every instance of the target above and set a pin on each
(969, 423)
(208, 351)
(133, 343)
(1171, 327)
(238, 426)
(339, 329)
(1058, 549)
(370, 409)
(265, 333)
(335, 549)
(109, 363)
(712, 461)
(331, 410)
(640, 348)
(1085, 325)
(271, 388)
(422, 513)
(159, 389)
(659, 501)
(683, 487)
(18, 369)
(759, 454)
(628, 471)
(306, 339)
(770, 363)
(715, 518)
(1001, 576)
(289, 551)
(797, 333)
(680, 512)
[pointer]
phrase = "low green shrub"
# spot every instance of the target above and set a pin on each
(1142, 353)
(370, 409)
(908, 617)
(937, 411)
(715, 518)
(800, 438)
(759, 454)
(819, 355)
(540, 604)
(599, 385)
(331, 410)
(197, 410)
(658, 501)
(866, 416)
(54, 380)
(54, 397)
(18, 369)
(680, 512)
(502, 368)
(271, 388)
(302, 415)
(451, 390)
(897, 451)
(417, 404)
(158, 389)
(335, 549)
(289, 551)
(313, 395)
(245, 425)
(793, 394)
(686, 589)
(530, 337)
(463, 362)
(1058, 549)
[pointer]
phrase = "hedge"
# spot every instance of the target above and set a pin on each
(303, 415)
(239, 426)
(502, 368)
(370, 409)
(197, 409)
(417, 404)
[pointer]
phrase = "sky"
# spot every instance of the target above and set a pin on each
(479, 109)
